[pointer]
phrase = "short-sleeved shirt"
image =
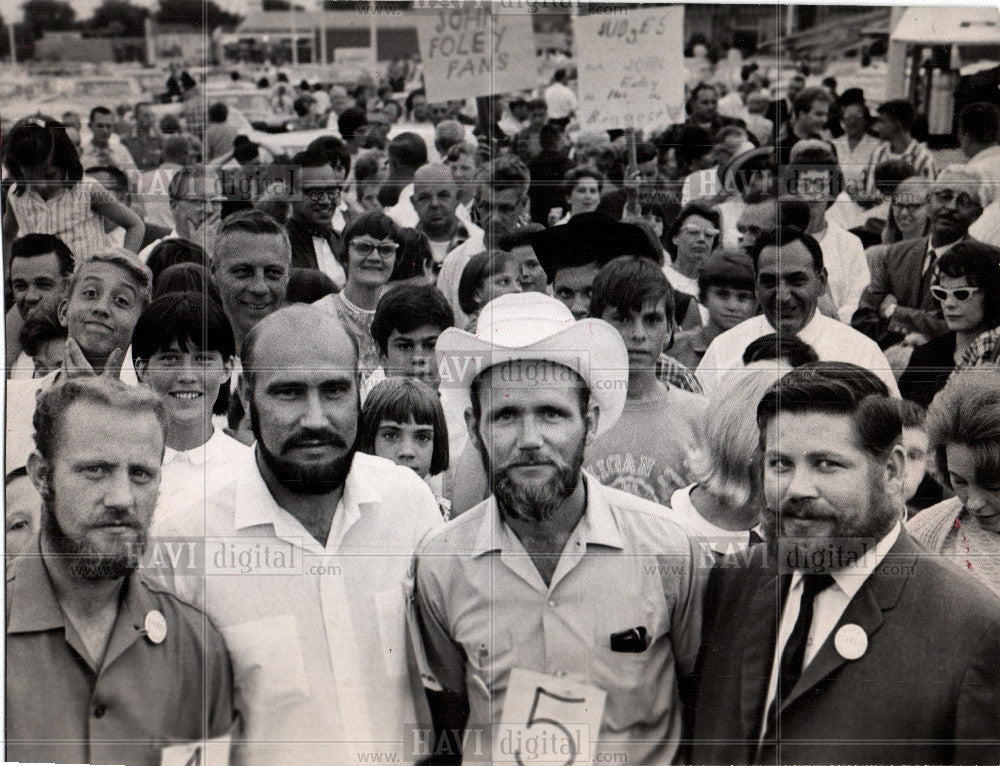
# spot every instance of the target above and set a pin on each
(317, 633)
(484, 610)
(68, 214)
(145, 695)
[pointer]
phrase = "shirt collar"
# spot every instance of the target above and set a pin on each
(853, 576)
(597, 526)
(199, 455)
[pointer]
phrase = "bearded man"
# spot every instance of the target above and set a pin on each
(307, 552)
(102, 665)
(556, 598)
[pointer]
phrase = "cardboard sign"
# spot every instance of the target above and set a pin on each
(468, 51)
(631, 68)
(547, 720)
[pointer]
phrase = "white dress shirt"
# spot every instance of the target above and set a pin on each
(829, 606)
(846, 269)
(328, 263)
(316, 633)
(986, 228)
(832, 340)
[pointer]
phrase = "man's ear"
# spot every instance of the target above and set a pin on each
(39, 471)
(592, 420)
(823, 276)
(471, 424)
(894, 466)
(141, 365)
(61, 312)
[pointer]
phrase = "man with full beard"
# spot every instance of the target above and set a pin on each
(103, 666)
(307, 551)
(838, 642)
(556, 598)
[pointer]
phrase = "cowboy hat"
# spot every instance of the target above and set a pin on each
(534, 326)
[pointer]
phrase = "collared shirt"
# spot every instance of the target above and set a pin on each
(673, 373)
(720, 541)
(828, 608)
(846, 267)
(986, 228)
(316, 632)
(832, 340)
(188, 477)
(328, 263)
(855, 163)
(484, 610)
(144, 695)
(938, 252)
(451, 272)
(986, 164)
(403, 212)
(984, 349)
(114, 154)
(916, 153)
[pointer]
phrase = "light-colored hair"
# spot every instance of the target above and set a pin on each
(128, 262)
(107, 392)
(967, 411)
(255, 222)
(728, 456)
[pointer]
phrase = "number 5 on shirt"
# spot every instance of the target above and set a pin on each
(547, 720)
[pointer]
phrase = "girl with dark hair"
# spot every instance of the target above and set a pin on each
(49, 195)
(967, 287)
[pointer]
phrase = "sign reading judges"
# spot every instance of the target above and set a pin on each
(469, 51)
(631, 68)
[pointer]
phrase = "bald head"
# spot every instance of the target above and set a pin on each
(435, 198)
(433, 174)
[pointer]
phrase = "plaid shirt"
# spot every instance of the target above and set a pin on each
(917, 154)
(673, 373)
(983, 350)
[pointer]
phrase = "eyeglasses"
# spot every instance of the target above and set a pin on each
(316, 193)
(385, 249)
(692, 231)
(959, 293)
(908, 207)
(966, 200)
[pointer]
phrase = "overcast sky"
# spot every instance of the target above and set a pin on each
(11, 9)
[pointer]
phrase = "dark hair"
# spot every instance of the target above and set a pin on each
(900, 110)
(334, 150)
(573, 177)
(407, 307)
(402, 400)
(376, 225)
(505, 172)
(350, 121)
(804, 101)
(39, 328)
(170, 252)
(408, 149)
(693, 142)
(302, 105)
(889, 174)
(911, 413)
(967, 411)
(706, 281)
(169, 124)
(307, 285)
(837, 388)
(626, 283)
(699, 88)
(218, 112)
(414, 256)
(787, 346)
(981, 122)
(549, 135)
(310, 159)
(120, 179)
(98, 110)
(645, 151)
(979, 263)
(793, 212)
(783, 237)
(692, 208)
(21, 472)
(33, 245)
(101, 390)
(520, 237)
(33, 141)
(186, 278)
(480, 268)
(412, 97)
(194, 320)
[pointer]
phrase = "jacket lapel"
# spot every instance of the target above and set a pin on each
(880, 593)
(758, 651)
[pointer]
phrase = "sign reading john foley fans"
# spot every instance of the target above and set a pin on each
(469, 50)
(631, 68)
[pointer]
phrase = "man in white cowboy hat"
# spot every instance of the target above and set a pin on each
(556, 598)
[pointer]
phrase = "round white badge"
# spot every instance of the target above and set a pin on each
(851, 642)
(156, 627)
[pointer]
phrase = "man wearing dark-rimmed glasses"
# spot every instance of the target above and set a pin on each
(310, 228)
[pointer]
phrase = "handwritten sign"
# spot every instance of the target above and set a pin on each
(468, 50)
(631, 68)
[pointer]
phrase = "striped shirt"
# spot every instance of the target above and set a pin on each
(917, 154)
(68, 214)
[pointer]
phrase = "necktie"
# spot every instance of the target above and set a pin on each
(795, 649)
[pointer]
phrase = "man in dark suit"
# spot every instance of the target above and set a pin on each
(310, 228)
(840, 640)
(780, 110)
(898, 301)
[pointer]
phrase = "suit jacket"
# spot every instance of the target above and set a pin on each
(303, 250)
(899, 273)
(778, 112)
(925, 690)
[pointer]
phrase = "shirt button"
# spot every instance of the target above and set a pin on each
(552, 604)
(99, 711)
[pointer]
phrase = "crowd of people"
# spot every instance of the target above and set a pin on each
(651, 447)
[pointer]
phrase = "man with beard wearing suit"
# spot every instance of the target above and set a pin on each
(860, 649)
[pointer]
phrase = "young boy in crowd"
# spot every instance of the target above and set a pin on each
(644, 452)
(726, 290)
(183, 349)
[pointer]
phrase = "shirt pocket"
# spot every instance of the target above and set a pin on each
(490, 661)
(390, 609)
(623, 670)
(267, 661)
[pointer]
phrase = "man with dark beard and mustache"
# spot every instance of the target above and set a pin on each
(103, 666)
(841, 640)
(307, 551)
(557, 598)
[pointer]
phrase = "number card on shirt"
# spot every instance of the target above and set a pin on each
(547, 720)
(631, 68)
(211, 752)
(468, 50)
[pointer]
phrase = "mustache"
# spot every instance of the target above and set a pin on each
(803, 510)
(310, 436)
